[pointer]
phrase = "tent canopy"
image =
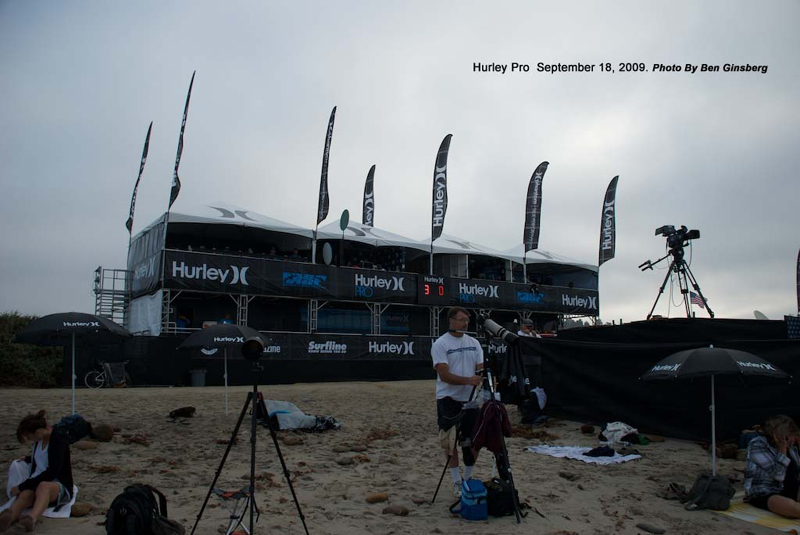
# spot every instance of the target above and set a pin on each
(228, 214)
(365, 234)
(538, 256)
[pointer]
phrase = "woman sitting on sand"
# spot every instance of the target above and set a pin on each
(771, 472)
(50, 482)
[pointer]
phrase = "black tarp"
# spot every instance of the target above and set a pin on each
(592, 375)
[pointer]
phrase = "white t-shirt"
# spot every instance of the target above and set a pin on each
(462, 354)
(40, 457)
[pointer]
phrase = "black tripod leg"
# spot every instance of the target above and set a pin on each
(697, 287)
(447, 464)
(253, 417)
(660, 291)
(511, 481)
(263, 406)
(224, 458)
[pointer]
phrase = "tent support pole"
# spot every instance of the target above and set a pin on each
(713, 432)
(225, 358)
(73, 372)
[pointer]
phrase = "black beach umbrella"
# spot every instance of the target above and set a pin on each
(59, 329)
(712, 361)
(222, 336)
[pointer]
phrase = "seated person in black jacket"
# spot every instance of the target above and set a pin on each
(50, 482)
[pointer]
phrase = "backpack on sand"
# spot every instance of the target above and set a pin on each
(710, 492)
(74, 427)
(136, 512)
(473, 501)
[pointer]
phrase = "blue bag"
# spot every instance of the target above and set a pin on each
(473, 505)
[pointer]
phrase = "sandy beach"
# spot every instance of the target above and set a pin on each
(392, 428)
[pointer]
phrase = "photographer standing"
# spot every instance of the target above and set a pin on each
(457, 357)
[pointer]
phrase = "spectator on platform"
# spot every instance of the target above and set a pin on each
(226, 319)
(772, 478)
(183, 322)
(526, 329)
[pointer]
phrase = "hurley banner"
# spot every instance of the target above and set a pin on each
(176, 182)
(533, 208)
(185, 270)
(368, 213)
(608, 226)
(322, 206)
(129, 222)
(440, 189)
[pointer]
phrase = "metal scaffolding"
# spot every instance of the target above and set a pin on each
(111, 294)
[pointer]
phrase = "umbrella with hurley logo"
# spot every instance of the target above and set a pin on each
(711, 361)
(60, 329)
(222, 336)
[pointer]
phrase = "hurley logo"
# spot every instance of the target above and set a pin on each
(328, 347)
(439, 193)
(490, 291)
(145, 269)
(393, 283)
(608, 226)
(403, 348)
(230, 339)
(369, 207)
(758, 365)
(579, 302)
(497, 349)
(81, 324)
(666, 368)
(234, 274)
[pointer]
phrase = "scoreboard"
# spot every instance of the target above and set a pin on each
(432, 290)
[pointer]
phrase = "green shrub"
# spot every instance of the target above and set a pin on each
(23, 364)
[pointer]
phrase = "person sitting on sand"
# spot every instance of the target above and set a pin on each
(50, 482)
(771, 470)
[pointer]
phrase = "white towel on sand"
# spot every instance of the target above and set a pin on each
(577, 453)
(19, 472)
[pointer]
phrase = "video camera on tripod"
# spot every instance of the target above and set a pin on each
(676, 241)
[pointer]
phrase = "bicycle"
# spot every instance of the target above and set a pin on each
(101, 376)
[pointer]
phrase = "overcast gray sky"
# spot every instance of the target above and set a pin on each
(81, 81)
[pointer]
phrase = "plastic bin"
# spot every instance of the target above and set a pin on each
(198, 377)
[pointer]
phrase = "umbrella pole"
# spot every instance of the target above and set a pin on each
(713, 432)
(225, 353)
(73, 372)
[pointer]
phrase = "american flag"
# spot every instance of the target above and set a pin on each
(696, 300)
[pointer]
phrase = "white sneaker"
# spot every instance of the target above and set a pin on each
(457, 490)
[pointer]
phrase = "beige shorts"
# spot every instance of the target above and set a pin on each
(447, 439)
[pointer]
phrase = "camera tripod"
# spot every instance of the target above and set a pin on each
(258, 411)
(501, 459)
(685, 277)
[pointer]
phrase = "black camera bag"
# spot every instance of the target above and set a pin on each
(136, 512)
(710, 492)
(499, 498)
